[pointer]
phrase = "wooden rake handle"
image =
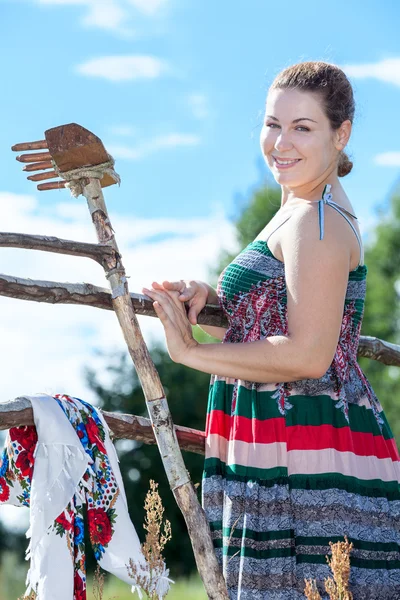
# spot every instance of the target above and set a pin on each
(71, 148)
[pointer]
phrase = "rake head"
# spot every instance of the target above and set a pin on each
(65, 148)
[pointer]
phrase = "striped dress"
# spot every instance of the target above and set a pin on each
(291, 466)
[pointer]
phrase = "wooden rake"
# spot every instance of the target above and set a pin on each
(77, 159)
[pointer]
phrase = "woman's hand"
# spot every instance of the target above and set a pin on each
(195, 293)
(172, 314)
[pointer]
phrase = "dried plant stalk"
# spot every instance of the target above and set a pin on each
(98, 584)
(158, 534)
(339, 564)
(311, 591)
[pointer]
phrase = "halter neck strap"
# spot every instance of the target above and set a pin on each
(327, 199)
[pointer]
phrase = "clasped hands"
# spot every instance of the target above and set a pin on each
(169, 303)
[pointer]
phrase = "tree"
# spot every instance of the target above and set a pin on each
(382, 306)
(253, 215)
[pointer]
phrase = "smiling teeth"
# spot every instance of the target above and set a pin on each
(286, 162)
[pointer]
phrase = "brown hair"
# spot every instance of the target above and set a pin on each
(332, 85)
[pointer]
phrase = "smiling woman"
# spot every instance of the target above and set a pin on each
(299, 452)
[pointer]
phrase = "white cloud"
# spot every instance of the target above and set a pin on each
(199, 105)
(113, 15)
(124, 68)
(388, 159)
(387, 70)
(171, 140)
(107, 15)
(46, 346)
(104, 14)
(149, 7)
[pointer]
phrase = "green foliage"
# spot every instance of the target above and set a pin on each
(254, 214)
(382, 307)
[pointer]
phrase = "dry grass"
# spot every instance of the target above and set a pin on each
(158, 534)
(339, 563)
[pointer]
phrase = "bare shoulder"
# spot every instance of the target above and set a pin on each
(301, 238)
(304, 228)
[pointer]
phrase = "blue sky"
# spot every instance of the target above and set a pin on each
(176, 90)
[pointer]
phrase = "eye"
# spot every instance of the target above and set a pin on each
(299, 126)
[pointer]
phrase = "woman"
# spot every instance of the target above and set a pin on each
(298, 449)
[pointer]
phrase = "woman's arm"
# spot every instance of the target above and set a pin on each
(316, 273)
(217, 332)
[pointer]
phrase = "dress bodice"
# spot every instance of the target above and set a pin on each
(252, 294)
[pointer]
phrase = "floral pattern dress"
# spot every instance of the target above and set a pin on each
(291, 466)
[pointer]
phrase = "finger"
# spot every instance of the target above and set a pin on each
(164, 297)
(192, 315)
(178, 286)
(159, 295)
(174, 309)
(162, 315)
(162, 304)
(185, 294)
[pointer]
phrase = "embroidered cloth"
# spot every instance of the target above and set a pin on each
(64, 466)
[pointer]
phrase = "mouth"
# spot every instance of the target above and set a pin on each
(285, 163)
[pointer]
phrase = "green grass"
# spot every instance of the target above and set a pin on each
(181, 590)
(13, 574)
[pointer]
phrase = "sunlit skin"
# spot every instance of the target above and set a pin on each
(312, 141)
(314, 301)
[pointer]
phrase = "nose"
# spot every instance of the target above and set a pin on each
(283, 142)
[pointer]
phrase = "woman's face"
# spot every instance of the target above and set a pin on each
(310, 141)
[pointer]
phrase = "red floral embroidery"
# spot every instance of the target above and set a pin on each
(94, 435)
(4, 490)
(66, 525)
(25, 436)
(24, 462)
(79, 587)
(99, 526)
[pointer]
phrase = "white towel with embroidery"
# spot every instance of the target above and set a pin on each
(73, 463)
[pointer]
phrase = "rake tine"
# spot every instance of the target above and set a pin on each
(39, 166)
(37, 156)
(42, 176)
(40, 145)
(53, 185)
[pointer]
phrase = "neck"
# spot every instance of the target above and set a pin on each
(311, 191)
